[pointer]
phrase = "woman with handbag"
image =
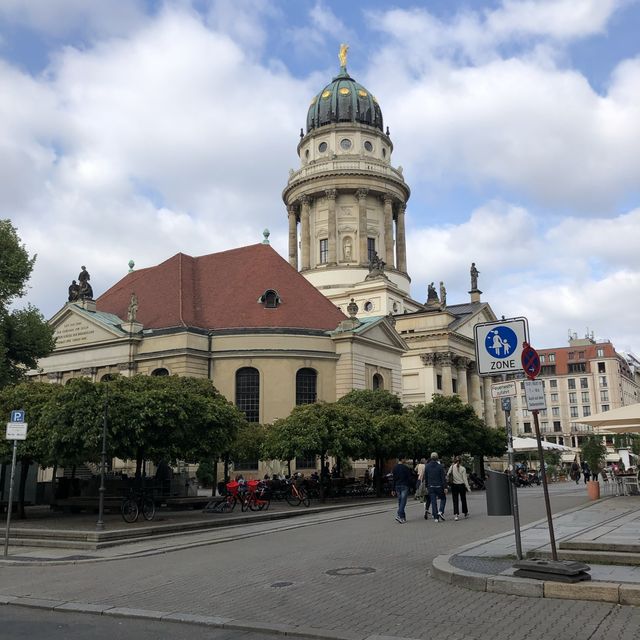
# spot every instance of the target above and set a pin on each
(457, 477)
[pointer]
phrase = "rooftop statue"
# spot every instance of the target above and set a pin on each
(474, 276)
(81, 290)
(343, 55)
(376, 266)
(132, 311)
(443, 294)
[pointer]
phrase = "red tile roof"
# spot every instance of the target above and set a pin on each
(221, 291)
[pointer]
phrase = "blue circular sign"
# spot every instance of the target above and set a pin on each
(501, 342)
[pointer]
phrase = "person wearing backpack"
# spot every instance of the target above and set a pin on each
(457, 476)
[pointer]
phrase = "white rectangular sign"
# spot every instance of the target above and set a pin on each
(16, 431)
(534, 392)
(499, 346)
(503, 390)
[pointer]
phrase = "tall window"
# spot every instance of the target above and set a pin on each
(306, 386)
(602, 368)
(572, 397)
(600, 353)
(552, 357)
(371, 248)
(248, 393)
(573, 411)
(584, 383)
(572, 383)
(585, 396)
(324, 251)
(439, 382)
(603, 381)
(557, 426)
(604, 395)
(555, 411)
(378, 381)
(553, 384)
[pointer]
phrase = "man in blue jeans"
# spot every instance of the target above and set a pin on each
(402, 479)
(436, 479)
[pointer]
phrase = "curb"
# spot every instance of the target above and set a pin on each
(219, 622)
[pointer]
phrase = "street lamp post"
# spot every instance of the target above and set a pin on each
(103, 464)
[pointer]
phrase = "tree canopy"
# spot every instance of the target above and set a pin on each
(24, 334)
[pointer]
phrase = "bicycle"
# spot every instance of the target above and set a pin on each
(296, 496)
(136, 502)
(258, 496)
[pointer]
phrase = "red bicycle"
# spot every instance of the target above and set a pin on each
(258, 496)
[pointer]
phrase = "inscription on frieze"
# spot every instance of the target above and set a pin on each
(76, 331)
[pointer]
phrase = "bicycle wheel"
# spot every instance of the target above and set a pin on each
(264, 504)
(245, 503)
(304, 498)
(293, 498)
(148, 508)
(129, 510)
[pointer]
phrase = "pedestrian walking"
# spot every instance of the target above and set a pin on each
(575, 471)
(436, 480)
(457, 476)
(420, 488)
(402, 479)
(586, 471)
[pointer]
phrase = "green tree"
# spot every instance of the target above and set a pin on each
(33, 398)
(24, 334)
(593, 451)
(319, 429)
(451, 427)
(387, 431)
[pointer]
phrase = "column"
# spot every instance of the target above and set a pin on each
(429, 361)
(401, 243)
(445, 358)
(363, 257)
(474, 398)
(331, 201)
(489, 404)
(388, 230)
(461, 368)
(293, 236)
(305, 233)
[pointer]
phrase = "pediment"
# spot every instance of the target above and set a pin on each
(382, 332)
(75, 327)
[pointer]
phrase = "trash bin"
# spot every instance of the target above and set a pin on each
(498, 494)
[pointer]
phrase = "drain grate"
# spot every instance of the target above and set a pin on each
(351, 571)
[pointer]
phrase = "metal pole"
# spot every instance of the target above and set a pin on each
(514, 486)
(545, 488)
(10, 503)
(103, 465)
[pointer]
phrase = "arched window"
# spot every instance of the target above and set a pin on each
(248, 393)
(160, 372)
(378, 381)
(306, 386)
(108, 377)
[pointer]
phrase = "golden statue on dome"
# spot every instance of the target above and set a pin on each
(342, 56)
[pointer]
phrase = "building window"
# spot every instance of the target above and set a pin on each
(306, 386)
(600, 354)
(522, 386)
(552, 357)
(574, 412)
(324, 251)
(371, 249)
(548, 370)
(577, 367)
(378, 381)
(554, 397)
(603, 381)
(584, 383)
(160, 372)
(454, 385)
(557, 426)
(604, 407)
(542, 358)
(572, 383)
(585, 396)
(572, 355)
(270, 299)
(602, 367)
(527, 427)
(306, 462)
(553, 384)
(368, 306)
(543, 413)
(573, 397)
(604, 395)
(580, 355)
(251, 464)
(322, 147)
(544, 426)
(438, 382)
(586, 411)
(555, 411)
(248, 393)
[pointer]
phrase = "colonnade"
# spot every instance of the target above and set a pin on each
(394, 253)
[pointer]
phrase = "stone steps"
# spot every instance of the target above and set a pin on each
(592, 556)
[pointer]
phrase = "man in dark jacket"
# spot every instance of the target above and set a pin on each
(436, 480)
(402, 479)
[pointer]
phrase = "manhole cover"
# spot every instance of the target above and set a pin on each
(351, 571)
(278, 585)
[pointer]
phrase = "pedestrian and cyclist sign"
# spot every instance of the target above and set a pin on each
(498, 345)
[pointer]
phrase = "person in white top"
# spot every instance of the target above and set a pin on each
(420, 489)
(457, 477)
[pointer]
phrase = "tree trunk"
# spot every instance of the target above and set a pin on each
(3, 478)
(52, 502)
(378, 476)
(214, 484)
(25, 464)
(323, 480)
(139, 462)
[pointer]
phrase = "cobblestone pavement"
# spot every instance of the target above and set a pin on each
(365, 574)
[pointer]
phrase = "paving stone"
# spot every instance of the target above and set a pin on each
(126, 612)
(515, 586)
(599, 591)
(82, 607)
(630, 594)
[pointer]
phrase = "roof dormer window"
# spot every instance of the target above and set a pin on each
(270, 299)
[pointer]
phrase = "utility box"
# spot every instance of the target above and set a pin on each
(498, 486)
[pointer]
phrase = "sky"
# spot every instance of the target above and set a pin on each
(141, 128)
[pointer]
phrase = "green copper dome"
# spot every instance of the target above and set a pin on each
(344, 100)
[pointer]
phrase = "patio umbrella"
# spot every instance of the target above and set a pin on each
(530, 444)
(622, 420)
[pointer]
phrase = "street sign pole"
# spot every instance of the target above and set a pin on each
(506, 405)
(10, 503)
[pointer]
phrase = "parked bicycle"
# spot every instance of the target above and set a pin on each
(258, 496)
(296, 495)
(137, 501)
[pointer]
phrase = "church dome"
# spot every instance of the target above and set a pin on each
(344, 100)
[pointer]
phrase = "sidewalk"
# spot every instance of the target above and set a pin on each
(603, 534)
